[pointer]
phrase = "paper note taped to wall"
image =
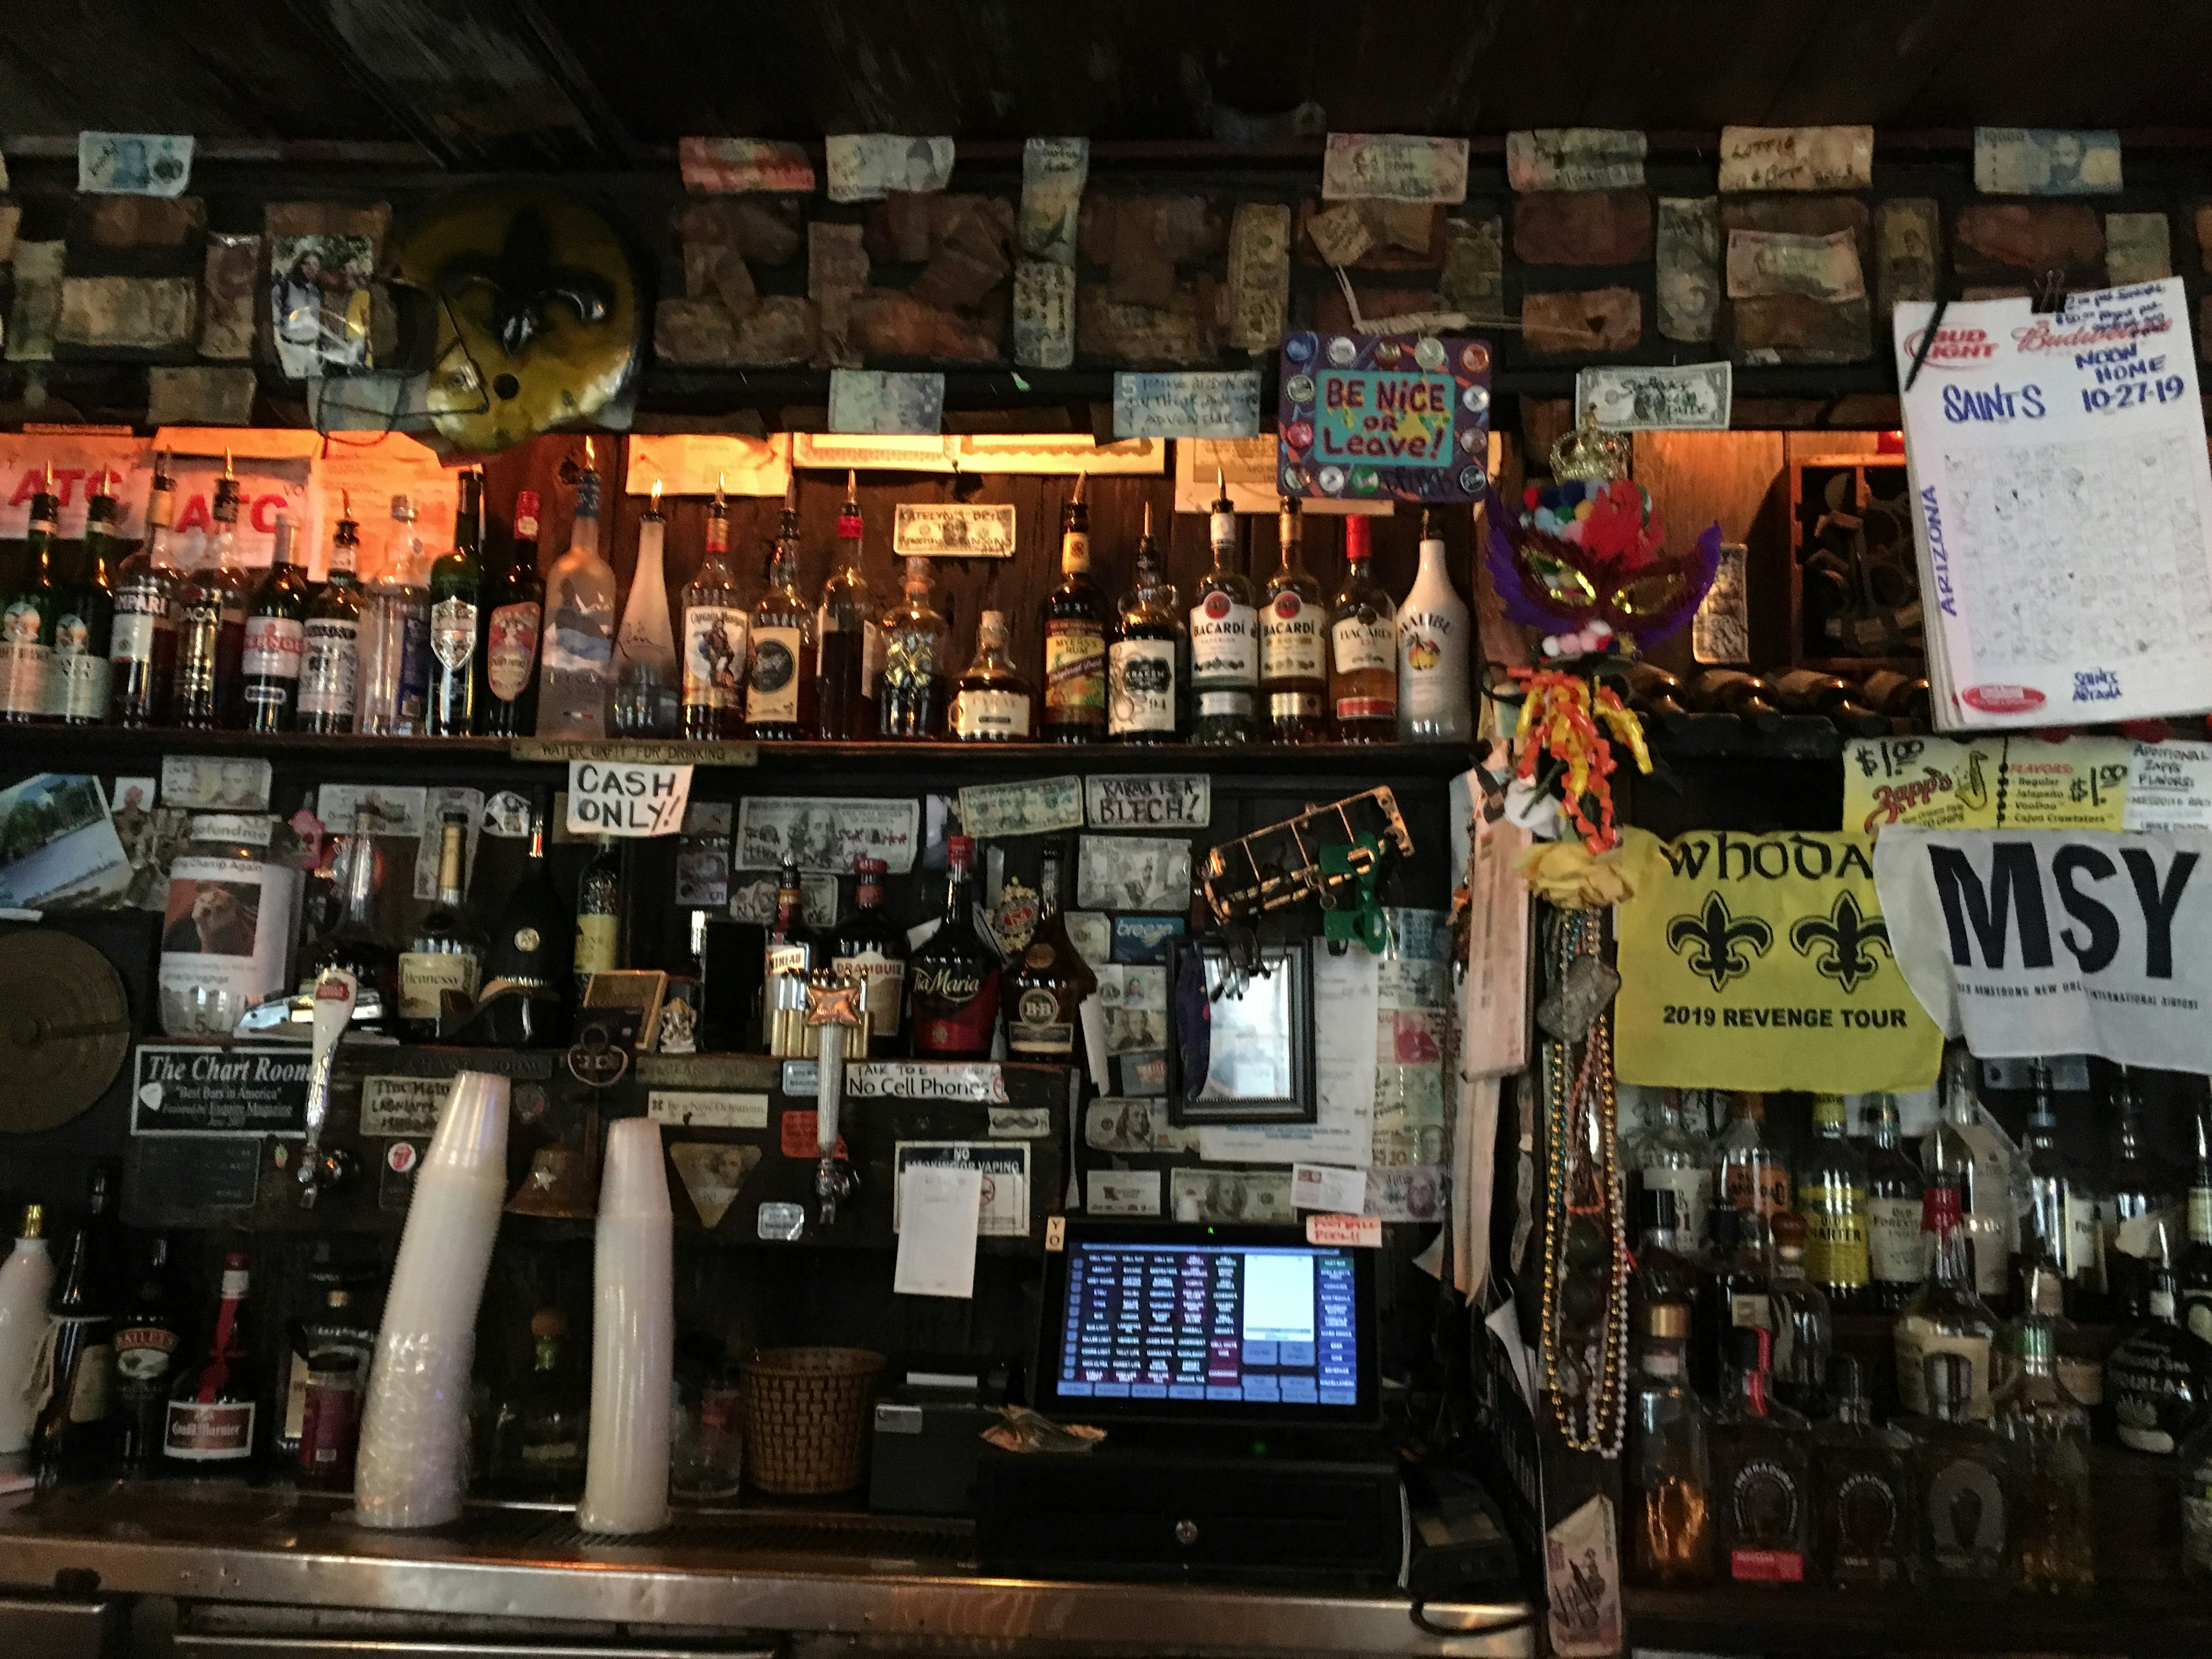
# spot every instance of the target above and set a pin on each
(1204, 404)
(606, 799)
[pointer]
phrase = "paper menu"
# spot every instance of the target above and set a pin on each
(2064, 508)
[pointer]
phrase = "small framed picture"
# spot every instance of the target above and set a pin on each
(1240, 1048)
(639, 988)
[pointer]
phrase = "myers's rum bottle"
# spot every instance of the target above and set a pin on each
(1076, 620)
(1293, 667)
(954, 1003)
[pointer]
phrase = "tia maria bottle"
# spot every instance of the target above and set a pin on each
(955, 1002)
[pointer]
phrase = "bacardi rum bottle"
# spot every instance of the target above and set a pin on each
(1224, 638)
(1293, 655)
(1077, 620)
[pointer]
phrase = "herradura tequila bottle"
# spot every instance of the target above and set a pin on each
(1863, 1522)
(1763, 1464)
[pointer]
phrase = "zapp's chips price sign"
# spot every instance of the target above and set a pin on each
(1384, 417)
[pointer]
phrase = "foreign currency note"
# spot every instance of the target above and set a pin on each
(1395, 167)
(1122, 1192)
(1907, 236)
(1688, 397)
(731, 167)
(2138, 248)
(1575, 158)
(2046, 161)
(1474, 281)
(1054, 173)
(953, 530)
(882, 401)
(133, 163)
(1415, 1194)
(1233, 1195)
(1768, 262)
(1796, 158)
(867, 167)
(1259, 275)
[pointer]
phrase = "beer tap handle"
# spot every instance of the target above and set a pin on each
(336, 990)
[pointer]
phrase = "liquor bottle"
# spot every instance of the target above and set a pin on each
(1672, 1156)
(1362, 645)
(1663, 1273)
(1897, 1258)
(2053, 1531)
(330, 642)
(538, 1440)
(84, 617)
(2054, 1219)
(2142, 1202)
(1146, 675)
(953, 1004)
(1076, 620)
(598, 915)
(1802, 1321)
(1740, 1290)
(1963, 1148)
(787, 963)
(26, 1280)
(1224, 638)
(1763, 1470)
(142, 647)
(780, 689)
(447, 953)
(334, 1329)
(847, 646)
(27, 625)
(576, 686)
(1808, 692)
(2195, 1460)
(1963, 1472)
(1754, 1179)
(533, 940)
(2196, 1272)
(1832, 1197)
(275, 631)
(1862, 1513)
(1293, 659)
(392, 699)
(1045, 985)
(871, 948)
(1668, 1474)
(76, 1430)
(456, 618)
(514, 622)
(1653, 691)
(993, 701)
(1732, 691)
(910, 691)
(2159, 1377)
(356, 944)
(1903, 697)
(2077, 1357)
(715, 626)
(648, 683)
(1434, 691)
(1945, 1316)
(215, 1419)
(148, 1336)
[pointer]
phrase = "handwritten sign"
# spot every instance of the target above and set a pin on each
(1384, 415)
(2170, 788)
(1153, 801)
(1394, 168)
(1352, 1232)
(1796, 158)
(611, 800)
(1204, 404)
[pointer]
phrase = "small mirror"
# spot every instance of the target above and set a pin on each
(1241, 1047)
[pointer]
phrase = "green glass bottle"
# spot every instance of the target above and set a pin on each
(456, 597)
(26, 623)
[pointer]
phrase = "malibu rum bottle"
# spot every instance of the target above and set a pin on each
(1145, 663)
(1435, 699)
(1362, 645)
(713, 643)
(1077, 619)
(142, 649)
(1293, 660)
(1224, 638)
(780, 691)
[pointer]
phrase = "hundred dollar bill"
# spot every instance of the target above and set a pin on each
(989, 810)
(2046, 161)
(1796, 158)
(1415, 1194)
(867, 167)
(1246, 1195)
(1395, 167)
(1575, 158)
(2138, 248)
(1053, 171)
(1766, 262)
(133, 163)
(1127, 1127)
(953, 530)
(1689, 397)
(730, 167)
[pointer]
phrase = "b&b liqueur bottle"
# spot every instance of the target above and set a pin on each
(1076, 622)
(1145, 663)
(1047, 983)
(1293, 656)
(954, 1004)
(1224, 638)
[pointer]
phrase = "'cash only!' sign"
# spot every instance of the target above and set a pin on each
(1762, 963)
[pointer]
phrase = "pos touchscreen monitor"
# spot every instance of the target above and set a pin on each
(1199, 1323)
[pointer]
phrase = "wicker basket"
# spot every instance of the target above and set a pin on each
(807, 1417)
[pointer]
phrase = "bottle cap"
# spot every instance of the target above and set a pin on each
(635, 1187)
(1666, 1319)
(1788, 1229)
(1950, 1381)
(34, 1222)
(960, 850)
(864, 867)
(1358, 538)
(526, 504)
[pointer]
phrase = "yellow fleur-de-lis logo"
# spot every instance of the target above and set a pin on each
(1718, 945)
(1840, 943)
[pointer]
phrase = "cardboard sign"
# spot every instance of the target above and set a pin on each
(1377, 416)
(607, 799)
(194, 1089)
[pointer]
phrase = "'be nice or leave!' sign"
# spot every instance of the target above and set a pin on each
(1385, 415)
(608, 798)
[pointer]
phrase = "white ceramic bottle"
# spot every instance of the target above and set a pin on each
(26, 1278)
(1435, 698)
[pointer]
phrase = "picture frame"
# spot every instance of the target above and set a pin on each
(1239, 1055)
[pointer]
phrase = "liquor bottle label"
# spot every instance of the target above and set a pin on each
(1917, 1338)
(1074, 552)
(1966, 1510)
(596, 936)
(453, 631)
(1223, 705)
(414, 695)
(954, 1007)
(1294, 705)
(1363, 646)
(76, 678)
(1693, 1195)
(1431, 663)
(1750, 1310)
(713, 655)
(1291, 640)
(198, 640)
(272, 647)
(330, 666)
(991, 714)
(1760, 1188)
(772, 689)
(1037, 1027)
(1836, 1251)
(1074, 670)
(23, 675)
(1894, 1252)
(882, 987)
(510, 649)
(144, 1354)
(1225, 645)
(140, 617)
(92, 1391)
(1140, 689)
(425, 975)
(2083, 1260)
(204, 1431)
